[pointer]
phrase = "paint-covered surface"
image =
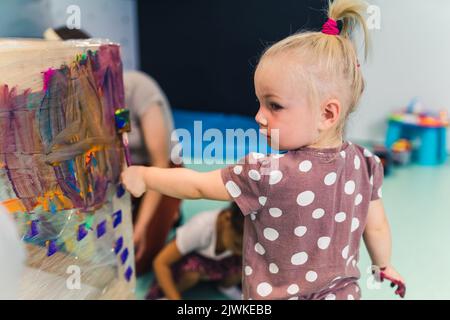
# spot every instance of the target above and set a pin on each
(61, 158)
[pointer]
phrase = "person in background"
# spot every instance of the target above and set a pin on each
(207, 248)
(12, 257)
(150, 143)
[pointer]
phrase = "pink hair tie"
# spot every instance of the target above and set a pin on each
(330, 27)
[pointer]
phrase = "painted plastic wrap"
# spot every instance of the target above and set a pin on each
(60, 164)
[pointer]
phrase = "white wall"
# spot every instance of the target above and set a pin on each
(410, 57)
(112, 19)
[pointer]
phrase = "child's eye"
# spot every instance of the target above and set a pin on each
(275, 107)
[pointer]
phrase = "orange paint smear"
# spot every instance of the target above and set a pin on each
(57, 197)
(14, 205)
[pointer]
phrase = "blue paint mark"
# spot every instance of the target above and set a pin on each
(128, 274)
(101, 229)
(120, 191)
(94, 161)
(34, 230)
(53, 208)
(52, 248)
(117, 218)
(70, 167)
(82, 232)
(124, 256)
(72, 186)
(118, 246)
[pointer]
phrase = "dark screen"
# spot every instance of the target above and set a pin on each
(203, 52)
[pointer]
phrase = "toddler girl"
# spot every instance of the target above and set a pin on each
(305, 210)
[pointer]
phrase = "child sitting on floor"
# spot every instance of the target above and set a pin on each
(207, 248)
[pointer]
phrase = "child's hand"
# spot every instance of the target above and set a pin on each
(133, 180)
(395, 278)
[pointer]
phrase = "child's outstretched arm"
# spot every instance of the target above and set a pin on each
(377, 237)
(178, 183)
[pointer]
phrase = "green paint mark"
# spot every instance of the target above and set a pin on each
(89, 221)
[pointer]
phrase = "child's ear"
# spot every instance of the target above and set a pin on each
(330, 113)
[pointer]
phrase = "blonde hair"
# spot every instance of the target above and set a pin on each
(332, 66)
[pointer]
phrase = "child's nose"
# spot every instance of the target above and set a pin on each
(260, 118)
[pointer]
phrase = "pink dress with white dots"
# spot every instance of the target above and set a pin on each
(305, 214)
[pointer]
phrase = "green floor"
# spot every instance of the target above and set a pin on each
(417, 200)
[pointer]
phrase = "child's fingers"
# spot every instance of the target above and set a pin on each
(384, 276)
(401, 290)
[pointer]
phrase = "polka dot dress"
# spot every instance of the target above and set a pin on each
(305, 215)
